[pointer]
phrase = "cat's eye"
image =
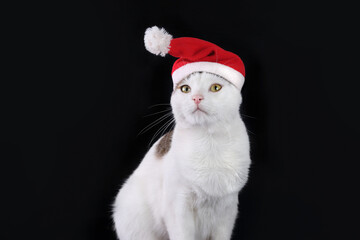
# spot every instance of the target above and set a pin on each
(185, 88)
(215, 87)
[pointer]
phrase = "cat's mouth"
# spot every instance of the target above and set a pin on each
(199, 110)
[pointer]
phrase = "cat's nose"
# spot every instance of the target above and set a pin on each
(197, 98)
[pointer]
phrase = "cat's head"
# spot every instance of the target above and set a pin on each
(205, 98)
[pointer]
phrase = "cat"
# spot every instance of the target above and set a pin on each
(187, 185)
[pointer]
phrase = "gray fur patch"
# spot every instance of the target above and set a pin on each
(164, 145)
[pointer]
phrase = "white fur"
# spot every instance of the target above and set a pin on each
(157, 41)
(222, 70)
(192, 192)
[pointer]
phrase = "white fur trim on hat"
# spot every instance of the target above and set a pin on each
(222, 70)
(157, 41)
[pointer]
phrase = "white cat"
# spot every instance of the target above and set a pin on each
(187, 185)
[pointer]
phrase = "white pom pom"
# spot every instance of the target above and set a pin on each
(157, 41)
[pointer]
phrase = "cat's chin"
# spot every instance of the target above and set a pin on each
(199, 111)
(198, 118)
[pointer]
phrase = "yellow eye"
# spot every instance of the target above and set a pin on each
(215, 87)
(185, 88)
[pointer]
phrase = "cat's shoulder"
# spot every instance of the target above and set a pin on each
(164, 144)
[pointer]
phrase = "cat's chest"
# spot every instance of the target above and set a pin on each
(206, 151)
(210, 165)
(208, 211)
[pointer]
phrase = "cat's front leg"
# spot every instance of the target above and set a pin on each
(226, 219)
(180, 221)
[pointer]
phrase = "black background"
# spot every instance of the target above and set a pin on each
(77, 83)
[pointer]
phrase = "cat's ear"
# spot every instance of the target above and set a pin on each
(157, 41)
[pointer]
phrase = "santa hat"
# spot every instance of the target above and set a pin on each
(195, 55)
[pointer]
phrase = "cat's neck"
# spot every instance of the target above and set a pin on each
(212, 129)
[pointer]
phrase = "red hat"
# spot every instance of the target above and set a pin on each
(195, 55)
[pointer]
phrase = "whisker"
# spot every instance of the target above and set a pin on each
(151, 114)
(163, 127)
(157, 121)
(171, 125)
(247, 116)
(151, 125)
(159, 104)
(251, 132)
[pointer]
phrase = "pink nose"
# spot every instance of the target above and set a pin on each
(197, 98)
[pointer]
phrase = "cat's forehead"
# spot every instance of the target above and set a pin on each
(200, 78)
